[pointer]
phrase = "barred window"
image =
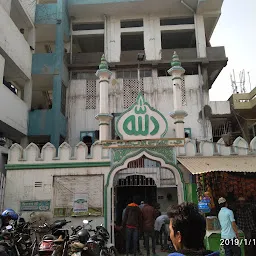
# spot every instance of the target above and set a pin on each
(90, 94)
(131, 89)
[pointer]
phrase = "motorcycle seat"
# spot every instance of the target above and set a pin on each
(60, 240)
(77, 245)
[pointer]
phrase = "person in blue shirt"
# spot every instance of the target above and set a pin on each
(187, 231)
(229, 231)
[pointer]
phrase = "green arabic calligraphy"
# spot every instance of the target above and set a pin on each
(141, 120)
(142, 109)
(156, 124)
(131, 120)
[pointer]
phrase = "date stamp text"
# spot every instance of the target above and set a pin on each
(238, 242)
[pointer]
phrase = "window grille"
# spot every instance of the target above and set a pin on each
(90, 94)
(183, 92)
(132, 87)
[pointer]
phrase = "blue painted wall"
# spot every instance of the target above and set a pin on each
(52, 122)
(44, 63)
(40, 122)
(46, 14)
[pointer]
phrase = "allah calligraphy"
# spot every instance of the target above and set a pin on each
(140, 131)
(141, 121)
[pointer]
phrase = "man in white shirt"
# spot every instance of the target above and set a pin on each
(160, 229)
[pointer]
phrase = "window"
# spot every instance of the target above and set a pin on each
(131, 23)
(63, 99)
(83, 75)
(127, 74)
(178, 39)
(132, 41)
(131, 89)
(90, 94)
(88, 26)
(188, 133)
(90, 43)
(89, 137)
(162, 72)
(176, 21)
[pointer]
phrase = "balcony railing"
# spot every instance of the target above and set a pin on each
(244, 100)
(14, 111)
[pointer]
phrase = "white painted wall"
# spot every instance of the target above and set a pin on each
(158, 93)
(2, 64)
(220, 107)
(6, 4)
(13, 44)
(20, 185)
(15, 112)
(30, 7)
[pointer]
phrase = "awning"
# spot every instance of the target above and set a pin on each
(197, 165)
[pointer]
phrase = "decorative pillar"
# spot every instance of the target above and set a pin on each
(177, 71)
(104, 116)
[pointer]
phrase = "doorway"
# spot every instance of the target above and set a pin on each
(143, 179)
(133, 188)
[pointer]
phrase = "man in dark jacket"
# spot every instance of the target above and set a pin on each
(149, 215)
(187, 231)
(132, 222)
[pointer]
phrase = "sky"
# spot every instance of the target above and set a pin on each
(236, 30)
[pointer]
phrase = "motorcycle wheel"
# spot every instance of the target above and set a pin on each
(112, 251)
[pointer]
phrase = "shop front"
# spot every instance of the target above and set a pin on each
(231, 177)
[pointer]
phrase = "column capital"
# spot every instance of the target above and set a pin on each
(178, 114)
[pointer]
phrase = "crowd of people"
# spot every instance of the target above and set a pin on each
(183, 224)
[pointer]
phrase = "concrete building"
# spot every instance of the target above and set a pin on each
(120, 107)
(17, 43)
(64, 110)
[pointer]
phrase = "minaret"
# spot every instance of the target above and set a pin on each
(104, 116)
(177, 71)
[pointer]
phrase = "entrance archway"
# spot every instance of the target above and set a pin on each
(174, 180)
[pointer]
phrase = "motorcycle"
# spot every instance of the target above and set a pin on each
(98, 242)
(9, 243)
(78, 242)
(52, 244)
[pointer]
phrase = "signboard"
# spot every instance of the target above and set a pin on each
(141, 121)
(80, 203)
(35, 206)
(143, 143)
(77, 195)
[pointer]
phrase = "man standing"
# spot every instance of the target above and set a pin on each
(229, 231)
(160, 229)
(149, 216)
(245, 222)
(132, 221)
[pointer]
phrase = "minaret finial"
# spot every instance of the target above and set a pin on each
(175, 60)
(103, 64)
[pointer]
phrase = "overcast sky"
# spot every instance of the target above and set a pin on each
(236, 30)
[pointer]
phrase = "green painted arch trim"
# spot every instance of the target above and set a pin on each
(56, 165)
(151, 108)
(122, 162)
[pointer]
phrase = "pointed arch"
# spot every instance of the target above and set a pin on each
(124, 164)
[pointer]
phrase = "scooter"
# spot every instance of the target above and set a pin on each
(48, 244)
